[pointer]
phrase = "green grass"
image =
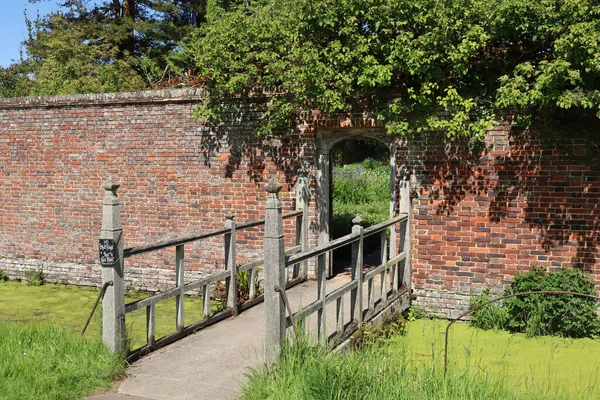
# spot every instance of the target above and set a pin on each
(44, 362)
(69, 307)
(483, 365)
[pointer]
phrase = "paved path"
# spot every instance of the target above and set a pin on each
(211, 364)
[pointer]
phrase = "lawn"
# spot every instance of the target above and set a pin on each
(483, 365)
(69, 306)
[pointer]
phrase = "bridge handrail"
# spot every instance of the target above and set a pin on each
(131, 251)
(344, 240)
(113, 256)
(395, 250)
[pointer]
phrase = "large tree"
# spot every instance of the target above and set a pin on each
(417, 64)
(104, 45)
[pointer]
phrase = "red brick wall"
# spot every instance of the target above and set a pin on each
(177, 178)
(477, 220)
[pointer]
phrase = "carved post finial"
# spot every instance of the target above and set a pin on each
(229, 215)
(111, 186)
(273, 187)
(357, 220)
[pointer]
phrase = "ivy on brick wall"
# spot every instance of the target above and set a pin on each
(405, 60)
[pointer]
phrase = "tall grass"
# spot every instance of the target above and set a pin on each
(44, 362)
(483, 365)
(376, 372)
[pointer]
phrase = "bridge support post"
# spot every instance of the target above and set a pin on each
(274, 256)
(406, 233)
(112, 261)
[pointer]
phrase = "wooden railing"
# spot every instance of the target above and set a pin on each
(115, 310)
(387, 284)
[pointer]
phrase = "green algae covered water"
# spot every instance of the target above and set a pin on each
(556, 367)
(69, 307)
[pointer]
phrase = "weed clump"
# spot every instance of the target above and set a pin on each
(3, 276)
(35, 277)
(375, 335)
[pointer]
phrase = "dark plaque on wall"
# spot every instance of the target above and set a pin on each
(108, 252)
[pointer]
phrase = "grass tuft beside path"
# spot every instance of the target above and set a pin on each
(44, 362)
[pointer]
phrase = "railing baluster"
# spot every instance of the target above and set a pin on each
(302, 202)
(340, 314)
(393, 253)
(295, 270)
(179, 257)
(356, 295)
(252, 283)
(321, 314)
(384, 259)
(151, 324)
(230, 263)
(206, 301)
(371, 294)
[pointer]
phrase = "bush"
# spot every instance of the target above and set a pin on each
(561, 315)
(3, 276)
(542, 314)
(491, 316)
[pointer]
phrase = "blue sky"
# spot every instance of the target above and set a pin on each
(12, 25)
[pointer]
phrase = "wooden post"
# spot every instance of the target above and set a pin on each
(111, 258)
(302, 202)
(230, 264)
(393, 208)
(356, 296)
(274, 256)
(322, 293)
(406, 207)
(179, 299)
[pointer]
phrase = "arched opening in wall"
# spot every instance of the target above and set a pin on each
(360, 186)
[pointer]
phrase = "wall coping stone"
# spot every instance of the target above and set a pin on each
(104, 99)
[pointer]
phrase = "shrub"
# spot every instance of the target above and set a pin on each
(491, 316)
(542, 314)
(3, 276)
(35, 277)
(561, 315)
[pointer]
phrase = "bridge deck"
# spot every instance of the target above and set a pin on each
(211, 363)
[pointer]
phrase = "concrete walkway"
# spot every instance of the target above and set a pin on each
(211, 364)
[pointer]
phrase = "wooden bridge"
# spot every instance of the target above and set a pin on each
(212, 362)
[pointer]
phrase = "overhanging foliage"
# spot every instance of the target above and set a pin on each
(406, 61)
